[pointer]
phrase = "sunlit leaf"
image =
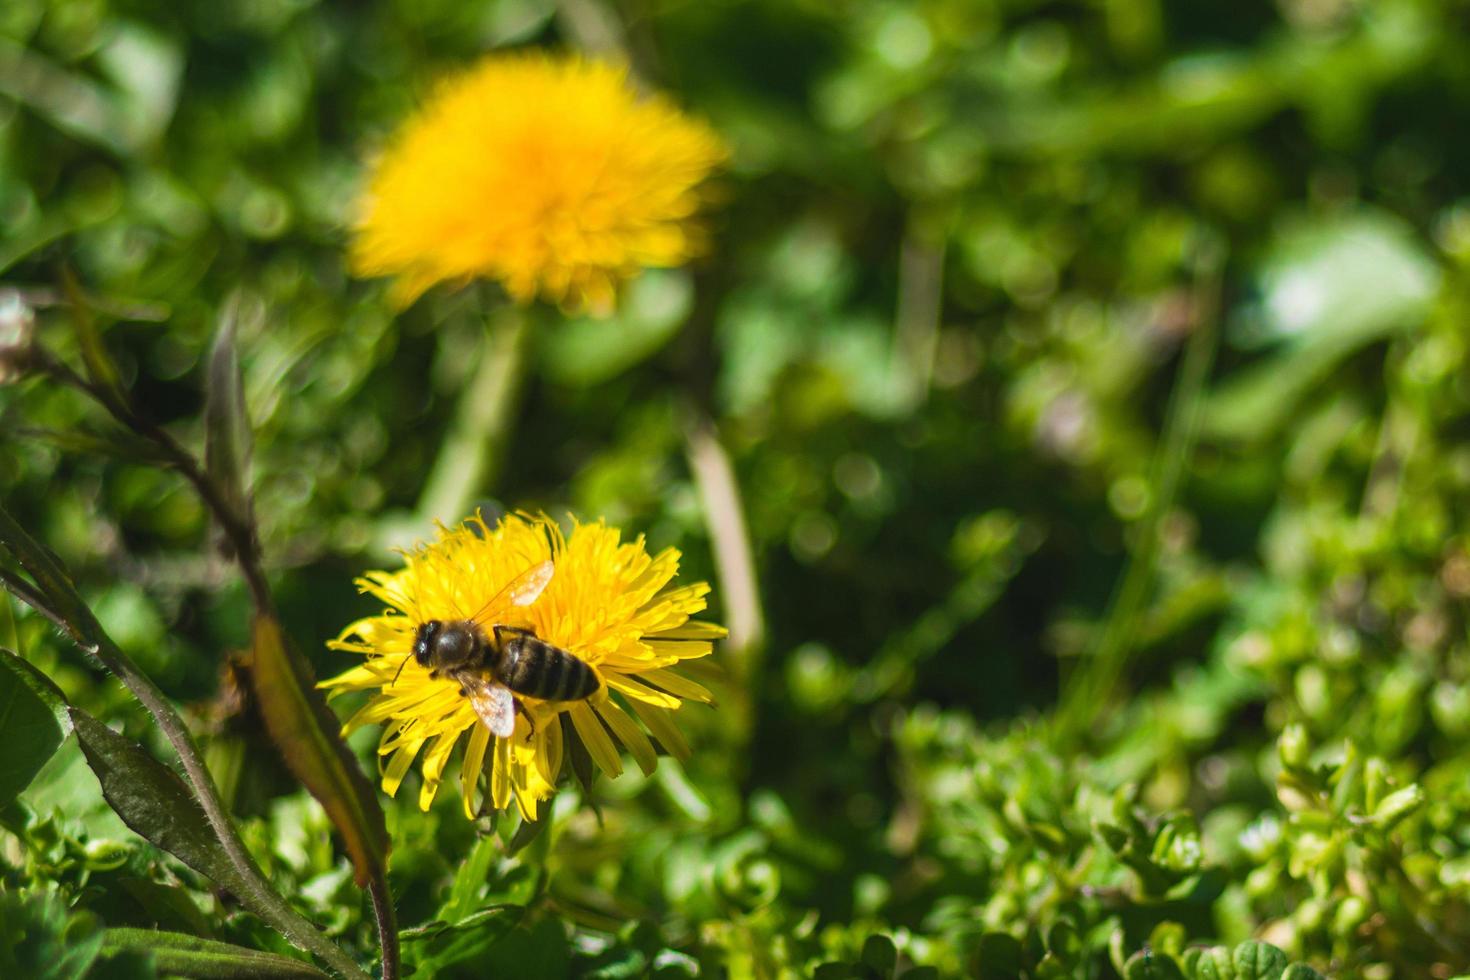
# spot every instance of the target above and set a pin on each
(306, 733)
(589, 351)
(1328, 289)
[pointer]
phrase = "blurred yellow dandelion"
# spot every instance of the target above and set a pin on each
(608, 602)
(550, 174)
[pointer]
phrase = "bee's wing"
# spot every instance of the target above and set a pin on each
(522, 590)
(493, 702)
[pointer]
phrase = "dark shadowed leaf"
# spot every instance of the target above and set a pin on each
(305, 731)
(580, 759)
(177, 954)
(32, 723)
(153, 801)
(999, 955)
(527, 832)
(880, 956)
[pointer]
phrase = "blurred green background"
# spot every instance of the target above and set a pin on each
(1093, 374)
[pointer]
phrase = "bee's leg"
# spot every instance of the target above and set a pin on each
(530, 722)
(434, 674)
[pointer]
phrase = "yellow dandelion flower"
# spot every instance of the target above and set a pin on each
(608, 602)
(550, 174)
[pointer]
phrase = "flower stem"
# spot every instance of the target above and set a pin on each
(724, 515)
(470, 454)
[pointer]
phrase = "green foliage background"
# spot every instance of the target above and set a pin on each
(1094, 377)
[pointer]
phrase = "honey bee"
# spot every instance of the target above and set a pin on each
(492, 661)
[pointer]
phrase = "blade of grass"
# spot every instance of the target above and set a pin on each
(1086, 694)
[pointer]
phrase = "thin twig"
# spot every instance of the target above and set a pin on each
(237, 530)
(32, 597)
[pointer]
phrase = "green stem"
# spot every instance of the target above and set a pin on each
(1087, 693)
(84, 630)
(470, 454)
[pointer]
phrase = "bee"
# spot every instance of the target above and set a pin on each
(492, 662)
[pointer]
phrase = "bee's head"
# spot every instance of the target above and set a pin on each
(423, 641)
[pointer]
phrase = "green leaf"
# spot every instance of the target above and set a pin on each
(1356, 275)
(587, 351)
(469, 880)
(1146, 965)
(1214, 963)
(33, 723)
(1398, 805)
(305, 731)
(1329, 289)
(999, 957)
(153, 801)
(177, 954)
(1258, 961)
(1300, 971)
(227, 436)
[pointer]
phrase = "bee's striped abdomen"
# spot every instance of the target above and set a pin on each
(535, 668)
